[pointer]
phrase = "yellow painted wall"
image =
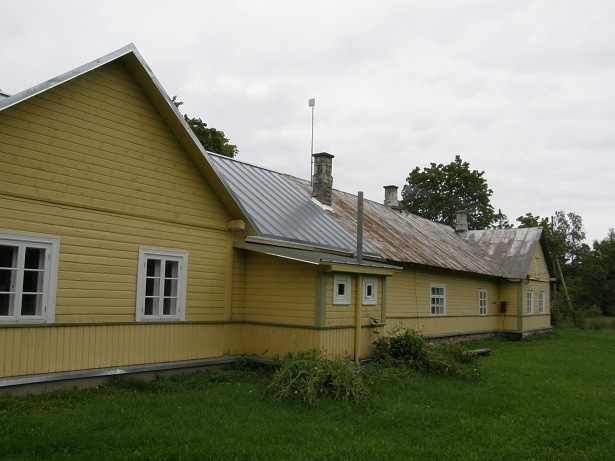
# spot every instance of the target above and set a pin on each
(93, 163)
(97, 142)
(49, 349)
(275, 340)
(408, 303)
(344, 315)
(279, 291)
(538, 281)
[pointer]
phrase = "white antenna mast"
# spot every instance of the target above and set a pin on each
(312, 103)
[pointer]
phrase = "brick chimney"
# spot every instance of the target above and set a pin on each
(322, 181)
(461, 224)
(390, 197)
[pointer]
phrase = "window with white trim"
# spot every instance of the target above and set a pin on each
(161, 285)
(529, 300)
(370, 291)
(541, 302)
(437, 300)
(28, 278)
(341, 289)
(482, 301)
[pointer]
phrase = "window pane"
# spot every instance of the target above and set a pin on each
(8, 256)
(31, 304)
(170, 287)
(171, 268)
(7, 280)
(151, 306)
(341, 289)
(170, 306)
(6, 302)
(35, 258)
(152, 287)
(33, 281)
(153, 268)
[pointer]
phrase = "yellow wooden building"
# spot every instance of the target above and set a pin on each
(124, 247)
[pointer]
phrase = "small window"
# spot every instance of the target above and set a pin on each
(161, 285)
(28, 278)
(370, 293)
(341, 289)
(438, 300)
(530, 302)
(482, 302)
(541, 302)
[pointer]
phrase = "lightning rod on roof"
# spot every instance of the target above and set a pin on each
(312, 103)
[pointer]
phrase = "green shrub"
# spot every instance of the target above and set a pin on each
(307, 377)
(601, 323)
(409, 349)
(593, 312)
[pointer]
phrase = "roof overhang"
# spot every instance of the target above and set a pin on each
(324, 261)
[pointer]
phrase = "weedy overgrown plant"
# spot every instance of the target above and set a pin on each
(407, 348)
(308, 377)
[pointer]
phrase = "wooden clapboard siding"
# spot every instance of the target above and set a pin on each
(408, 294)
(401, 294)
(344, 315)
(108, 150)
(279, 291)
(339, 342)
(98, 259)
(271, 340)
(92, 162)
(49, 349)
(538, 267)
(536, 322)
(239, 285)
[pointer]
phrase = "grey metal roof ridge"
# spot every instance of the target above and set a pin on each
(71, 74)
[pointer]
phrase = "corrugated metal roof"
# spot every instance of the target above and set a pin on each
(407, 238)
(512, 249)
(276, 209)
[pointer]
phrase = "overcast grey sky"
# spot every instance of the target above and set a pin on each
(524, 90)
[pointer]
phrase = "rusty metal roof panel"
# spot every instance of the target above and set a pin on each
(513, 249)
(277, 210)
(407, 238)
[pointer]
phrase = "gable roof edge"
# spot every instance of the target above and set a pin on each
(66, 76)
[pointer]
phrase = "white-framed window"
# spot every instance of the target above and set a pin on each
(370, 291)
(529, 300)
(161, 285)
(482, 301)
(541, 302)
(437, 300)
(341, 289)
(28, 278)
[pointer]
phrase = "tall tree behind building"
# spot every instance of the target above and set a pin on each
(439, 191)
(212, 140)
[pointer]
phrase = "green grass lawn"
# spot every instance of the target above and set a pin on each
(541, 398)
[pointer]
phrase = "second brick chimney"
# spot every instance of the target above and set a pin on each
(322, 181)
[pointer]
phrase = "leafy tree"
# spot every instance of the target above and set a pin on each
(568, 231)
(439, 191)
(500, 221)
(603, 259)
(529, 220)
(564, 233)
(212, 140)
